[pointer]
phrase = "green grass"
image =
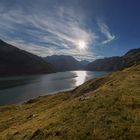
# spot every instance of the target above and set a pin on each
(106, 108)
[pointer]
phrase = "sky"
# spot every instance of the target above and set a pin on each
(85, 29)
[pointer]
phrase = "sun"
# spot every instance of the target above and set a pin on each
(81, 45)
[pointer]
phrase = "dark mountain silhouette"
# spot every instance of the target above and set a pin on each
(131, 57)
(84, 62)
(64, 62)
(14, 61)
(115, 63)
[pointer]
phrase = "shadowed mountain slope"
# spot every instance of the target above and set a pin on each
(64, 62)
(14, 61)
(115, 63)
(84, 62)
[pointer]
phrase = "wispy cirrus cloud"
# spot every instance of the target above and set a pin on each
(48, 32)
(106, 32)
(51, 31)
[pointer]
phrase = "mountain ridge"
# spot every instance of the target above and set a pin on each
(116, 62)
(64, 62)
(14, 62)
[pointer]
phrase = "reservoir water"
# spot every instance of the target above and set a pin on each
(20, 89)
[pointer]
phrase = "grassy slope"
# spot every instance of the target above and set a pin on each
(106, 108)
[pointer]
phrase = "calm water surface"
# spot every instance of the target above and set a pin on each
(20, 89)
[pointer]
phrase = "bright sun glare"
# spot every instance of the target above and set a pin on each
(81, 45)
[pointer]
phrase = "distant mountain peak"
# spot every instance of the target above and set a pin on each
(84, 62)
(64, 62)
(115, 63)
(132, 51)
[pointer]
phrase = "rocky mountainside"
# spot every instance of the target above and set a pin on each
(105, 108)
(131, 57)
(84, 62)
(64, 62)
(115, 63)
(14, 61)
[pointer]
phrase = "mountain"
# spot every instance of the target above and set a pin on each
(105, 108)
(115, 63)
(64, 62)
(131, 57)
(84, 62)
(112, 63)
(14, 61)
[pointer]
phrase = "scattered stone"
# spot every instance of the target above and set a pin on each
(25, 137)
(111, 84)
(82, 98)
(31, 116)
(16, 133)
(37, 134)
(57, 133)
(31, 101)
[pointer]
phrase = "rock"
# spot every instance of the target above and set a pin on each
(31, 116)
(111, 84)
(31, 101)
(38, 134)
(82, 98)
(16, 133)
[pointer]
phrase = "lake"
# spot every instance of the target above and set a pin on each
(20, 89)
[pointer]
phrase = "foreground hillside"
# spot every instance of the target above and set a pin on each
(106, 108)
(14, 61)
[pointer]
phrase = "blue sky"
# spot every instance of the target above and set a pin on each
(85, 29)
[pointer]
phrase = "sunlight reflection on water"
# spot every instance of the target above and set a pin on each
(20, 89)
(81, 77)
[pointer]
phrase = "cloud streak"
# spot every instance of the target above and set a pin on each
(106, 32)
(55, 31)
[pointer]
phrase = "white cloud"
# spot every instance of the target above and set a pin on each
(51, 32)
(106, 32)
(62, 30)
